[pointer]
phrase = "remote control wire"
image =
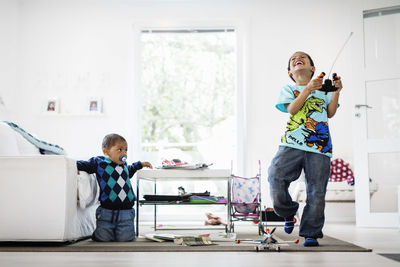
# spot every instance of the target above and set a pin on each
(340, 51)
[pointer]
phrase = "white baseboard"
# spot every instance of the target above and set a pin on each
(337, 211)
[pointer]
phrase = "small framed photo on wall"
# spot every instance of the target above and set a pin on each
(95, 105)
(52, 105)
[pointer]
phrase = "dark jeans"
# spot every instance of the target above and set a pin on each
(285, 168)
(114, 225)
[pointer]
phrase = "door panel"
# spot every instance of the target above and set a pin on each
(381, 44)
(377, 152)
(384, 117)
(384, 175)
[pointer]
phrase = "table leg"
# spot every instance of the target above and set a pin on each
(229, 205)
(137, 207)
(155, 207)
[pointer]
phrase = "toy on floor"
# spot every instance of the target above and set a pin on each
(268, 241)
(213, 220)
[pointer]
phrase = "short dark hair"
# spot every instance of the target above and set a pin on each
(110, 139)
(311, 62)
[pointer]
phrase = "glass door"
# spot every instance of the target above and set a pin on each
(378, 122)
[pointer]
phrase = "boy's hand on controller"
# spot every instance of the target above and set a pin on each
(314, 84)
(338, 84)
(146, 164)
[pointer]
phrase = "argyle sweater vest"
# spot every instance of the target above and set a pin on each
(116, 190)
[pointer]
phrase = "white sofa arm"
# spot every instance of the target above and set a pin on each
(38, 196)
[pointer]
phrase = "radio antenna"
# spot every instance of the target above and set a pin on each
(340, 51)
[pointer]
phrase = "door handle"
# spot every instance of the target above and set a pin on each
(362, 106)
(358, 106)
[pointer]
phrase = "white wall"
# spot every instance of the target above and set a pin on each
(8, 54)
(76, 49)
(81, 48)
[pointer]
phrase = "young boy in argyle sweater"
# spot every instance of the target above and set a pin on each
(115, 215)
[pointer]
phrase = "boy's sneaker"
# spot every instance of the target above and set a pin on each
(289, 225)
(311, 242)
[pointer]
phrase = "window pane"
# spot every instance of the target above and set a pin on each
(189, 87)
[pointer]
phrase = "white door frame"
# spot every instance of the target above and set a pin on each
(364, 146)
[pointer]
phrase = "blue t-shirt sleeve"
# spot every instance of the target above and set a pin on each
(286, 96)
(89, 166)
(134, 167)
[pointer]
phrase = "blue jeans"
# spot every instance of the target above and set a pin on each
(114, 225)
(285, 168)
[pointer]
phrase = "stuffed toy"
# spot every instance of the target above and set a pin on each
(213, 220)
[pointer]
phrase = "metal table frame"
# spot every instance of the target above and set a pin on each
(180, 174)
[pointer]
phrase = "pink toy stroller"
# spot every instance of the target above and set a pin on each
(245, 199)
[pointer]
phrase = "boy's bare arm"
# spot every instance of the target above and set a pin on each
(332, 107)
(298, 102)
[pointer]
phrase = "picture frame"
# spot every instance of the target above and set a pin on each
(52, 105)
(95, 105)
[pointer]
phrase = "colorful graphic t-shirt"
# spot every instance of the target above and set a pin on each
(308, 129)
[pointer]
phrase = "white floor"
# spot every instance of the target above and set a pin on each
(380, 240)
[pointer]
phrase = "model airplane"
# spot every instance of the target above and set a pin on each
(268, 241)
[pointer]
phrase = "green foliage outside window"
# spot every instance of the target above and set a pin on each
(188, 85)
